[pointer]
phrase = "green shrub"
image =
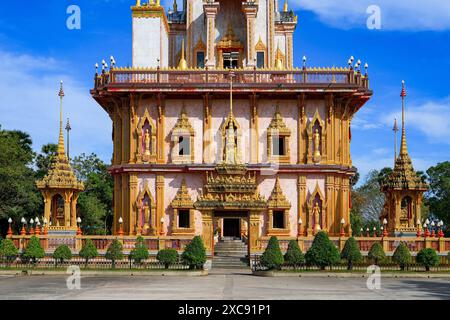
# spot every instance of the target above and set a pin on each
(8, 251)
(114, 252)
(194, 254)
(351, 253)
(428, 258)
(376, 253)
(140, 251)
(62, 253)
(402, 256)
(294, 256)
(167, 257)
(272, 258)
(88, 251)
(34, 250)
(323, 252)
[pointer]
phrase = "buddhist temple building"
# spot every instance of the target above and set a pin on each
(60, 188)
(217, 133)
(404, 190)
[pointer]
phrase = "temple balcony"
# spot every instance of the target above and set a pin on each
(198, 80)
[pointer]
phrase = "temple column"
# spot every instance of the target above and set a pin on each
(160, 141)
(301, 193)
(330, 205)
(301, 121)
(211, 9)
(67, 198)
(208, 230)
(345, 213)
(134, 103)
(160, 210)
(254, 134)
(73, 217)
(253, 232)
(117, 135)
(47, 205)
(207, 130)
(329, 127)
(250, 10)
(124, 213)
(133, 183)
(117, 202)
(125, 130)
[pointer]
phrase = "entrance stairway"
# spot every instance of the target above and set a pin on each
(230, 254)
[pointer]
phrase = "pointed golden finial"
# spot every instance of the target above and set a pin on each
(61, 150)
(286, 6)
(278, 61)
(175, 6)
(138, 3)
(395, 129)
(183, 63)
(404, 147)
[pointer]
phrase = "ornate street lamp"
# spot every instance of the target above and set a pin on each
(342, 234)
(31, 231)
(441, 232)
(300, 228)
(9, 228)
(367, 232)
(38, 226)
(375, 232)
(79, 232)
(419, 233)
(120, 226)
(433, 234)
(425, 227)
(362, 232)
(23, 231)
(162, 227)
(45, 226)
(385, 232)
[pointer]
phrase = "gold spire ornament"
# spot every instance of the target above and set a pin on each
(61, 150)
(183, 63)
(285, 7)
(278, 58)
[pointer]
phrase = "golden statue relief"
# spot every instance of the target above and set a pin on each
(316, 145)
(147, 143)
(316, 214)
(230, 147)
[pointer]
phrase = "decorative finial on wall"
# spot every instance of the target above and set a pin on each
(404, 148)
(286, 6)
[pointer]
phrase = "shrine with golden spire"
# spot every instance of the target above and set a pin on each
(404, 190)
(60, 188)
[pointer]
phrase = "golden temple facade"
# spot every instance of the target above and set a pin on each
(216, 133)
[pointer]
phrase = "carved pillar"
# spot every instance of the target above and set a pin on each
(250, 10)
(211, 9)
(208, 232)
(346, 205)
(271, 36)
(124, 212)
(207, 130)
(160, 209)
(117, 135)
(330, 141)
(133, 185)
(134, 103)
(160, 141)
(253, 232)
(117, 201)
(73, 217)
(301, 144)
(125, 130)
(47, 205)
(301, 193)
(330, 205)
(254, 132)
(67, 198)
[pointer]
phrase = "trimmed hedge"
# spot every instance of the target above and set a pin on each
(427, 258)
(294, 256)
(376, 253)
(323, 252)
(272, 258)
(402, 256)
(351, 253)
(194, 254)
(62, 253)
(140, 251)
(88, 251)
(8, 251)
(34, 250)
(114, 252)
(167, 257)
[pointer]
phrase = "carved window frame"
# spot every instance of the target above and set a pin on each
(310, 131)
(277, 128)
(183, 201)
(278, 202)
(261, 47)
(199, 47)
(183, 128)
(139, 146)
(139, 207)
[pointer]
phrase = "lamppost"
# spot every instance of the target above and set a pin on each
(9, 228)
(120, 226)
(441, 232)
(300, 228)
(31, 227)
(362, 232)
(342, 234)
(23, 231)
(161, 233)
(382, 231)
(304, 62)
(79, 232)
(433, 234)
(385, 232)
(38, 226)
(375, 232)
(45, 226)
(418, 228)
(367, 232)
(426, 232)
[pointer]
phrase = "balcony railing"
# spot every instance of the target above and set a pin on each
(265, 77)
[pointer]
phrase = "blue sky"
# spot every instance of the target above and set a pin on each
(37, 50)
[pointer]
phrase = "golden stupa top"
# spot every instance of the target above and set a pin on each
(60, 175)
(404, 177)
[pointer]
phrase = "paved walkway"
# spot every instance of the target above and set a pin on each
(220, 285)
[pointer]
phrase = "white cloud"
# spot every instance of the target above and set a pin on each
(30, 102)
(395, 14)
(431, 118)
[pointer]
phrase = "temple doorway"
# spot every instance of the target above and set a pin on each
(232, 228)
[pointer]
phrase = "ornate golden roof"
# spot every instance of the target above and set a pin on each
(230, 40)
(277, 199)
(182, 199)
(277, 123)
(183, 124)
(60, 175)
